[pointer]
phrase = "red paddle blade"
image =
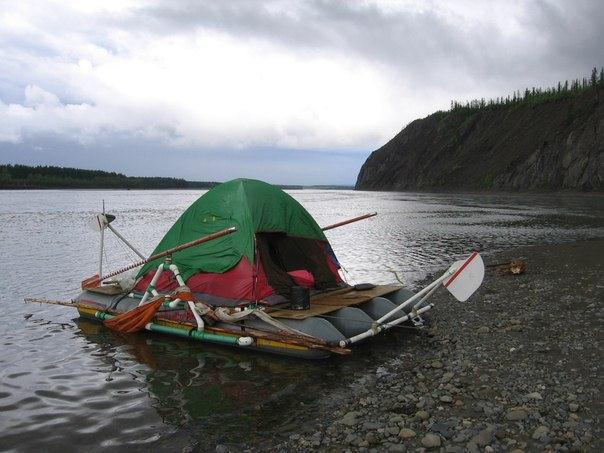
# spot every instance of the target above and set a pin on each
(135, 319)
(91, 282)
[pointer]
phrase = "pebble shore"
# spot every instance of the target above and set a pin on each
(517, 368)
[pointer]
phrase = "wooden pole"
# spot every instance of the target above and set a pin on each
(50, 302)
(346, 222)
(95, 280)
(283, 337)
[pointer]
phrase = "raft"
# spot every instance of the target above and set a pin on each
(330, 319)
(246, 266)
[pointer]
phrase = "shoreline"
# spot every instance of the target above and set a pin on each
(351, 188)
(433, 190)
(516, 368)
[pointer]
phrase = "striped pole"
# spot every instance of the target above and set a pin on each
(95, 280)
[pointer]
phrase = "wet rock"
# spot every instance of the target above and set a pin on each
(352, 439)
(316, 438)
(392, 430)
(427, 402)
(516, 415)
(534, 396)
(447, 376)
(371, 438)
(222, 449)
(453, 449)
(587, 437)
(406, 408)
(444, 429)
(393, 419)
(483, 438)
(350, 418)
(422, 415)
(541, 433)
(541, 347)
(464, 435)
(573, 407)
(372, 425)
(446, 399)
(431, 441)
(406, 433)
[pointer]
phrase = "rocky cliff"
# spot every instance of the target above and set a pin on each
(552, 145)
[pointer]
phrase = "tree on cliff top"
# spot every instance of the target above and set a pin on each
(536, 95)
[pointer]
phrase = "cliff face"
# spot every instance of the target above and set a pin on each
(553, 145)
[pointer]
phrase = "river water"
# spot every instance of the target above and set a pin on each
(67, 383)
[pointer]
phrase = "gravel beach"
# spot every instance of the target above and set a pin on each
(516, 368)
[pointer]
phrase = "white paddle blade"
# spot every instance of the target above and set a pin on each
(100, 221)
(467, 277)
(97, 223)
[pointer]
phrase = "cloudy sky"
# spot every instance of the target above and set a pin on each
(286, 91)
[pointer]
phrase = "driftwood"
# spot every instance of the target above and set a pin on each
(515, 267)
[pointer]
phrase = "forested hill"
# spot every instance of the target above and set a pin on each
(46, 177)
(543, 140)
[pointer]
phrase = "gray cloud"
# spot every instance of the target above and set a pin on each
(573, 31)
(556, 39)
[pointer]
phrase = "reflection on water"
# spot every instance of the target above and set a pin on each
(188, 385)
(207, 394)
(65, 381)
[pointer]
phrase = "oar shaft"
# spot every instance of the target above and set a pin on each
(186, 245)
(346, 222)
(50, 302)
(380, 327)
(413, 298)
(178, 248)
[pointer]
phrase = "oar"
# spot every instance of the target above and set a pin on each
(95, 280)
(50, 302)
(462, 279)
(346, 222)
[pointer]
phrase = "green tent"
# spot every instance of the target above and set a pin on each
(249, 205)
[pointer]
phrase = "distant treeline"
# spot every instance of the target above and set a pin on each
(48, 177)
(535, 95)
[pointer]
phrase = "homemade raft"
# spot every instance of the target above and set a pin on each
(247, 266)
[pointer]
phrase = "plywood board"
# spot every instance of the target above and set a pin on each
(354, 297)
(329, 302)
